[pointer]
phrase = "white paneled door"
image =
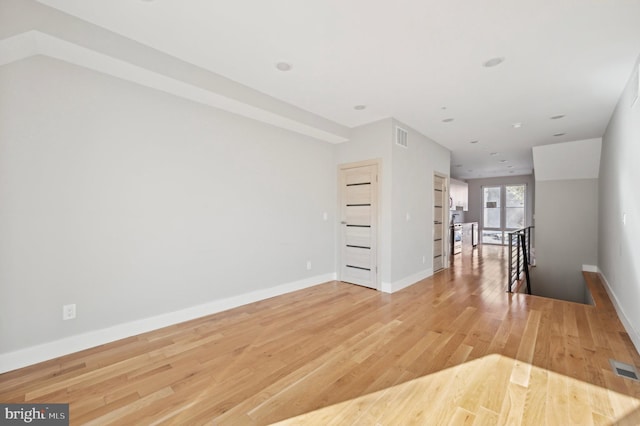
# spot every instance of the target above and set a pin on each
(359, 224)
(439, 234)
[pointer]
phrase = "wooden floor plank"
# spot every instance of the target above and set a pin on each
(454, 348)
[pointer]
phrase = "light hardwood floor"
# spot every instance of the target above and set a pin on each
(452, 349)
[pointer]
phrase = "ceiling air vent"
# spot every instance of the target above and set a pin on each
(402, 137)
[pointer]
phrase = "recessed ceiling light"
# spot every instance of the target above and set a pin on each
(559, 134)
(557, 117)
(469, 170)
(509, 167)
(443, 108)
(474, 141)
(284, 66)
(517, 125)
(447, 120)
(511, 171)
(458, 165)
(493, 153)
(493, 62)
(360, 107)
(503, 161)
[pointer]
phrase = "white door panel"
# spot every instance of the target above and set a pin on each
(358, 215)
(358, 257)
(358, 236)
(359, 194)
(439, 196)
(358, 200)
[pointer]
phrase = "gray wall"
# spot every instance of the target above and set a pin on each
(618, 254)
(475, 195)
(566, 237)
(372, 141)
(406, 187)
(132, 203)
(412, 195)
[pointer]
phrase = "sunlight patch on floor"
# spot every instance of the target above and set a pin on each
(492, 390)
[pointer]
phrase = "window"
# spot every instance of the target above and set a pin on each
(503, 211)
(514, 206)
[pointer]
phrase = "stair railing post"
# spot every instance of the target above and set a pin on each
(510, 275)
(518, 255)
(526, 263)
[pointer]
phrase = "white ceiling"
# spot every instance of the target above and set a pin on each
(419, 61)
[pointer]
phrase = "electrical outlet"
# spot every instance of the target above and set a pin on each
(308, 265)
(69, 311)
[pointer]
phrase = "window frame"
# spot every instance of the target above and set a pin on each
(502, 230)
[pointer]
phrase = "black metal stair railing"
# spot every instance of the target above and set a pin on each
(520, 257)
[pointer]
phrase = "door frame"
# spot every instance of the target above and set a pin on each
(340, 240)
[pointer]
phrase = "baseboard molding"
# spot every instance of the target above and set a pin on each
(589, 268)
(407, 281)
(46, 351)
(632, 332)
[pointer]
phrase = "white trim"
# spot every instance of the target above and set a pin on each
(32, 43)
(386, 287)
(407, 281)
(589, 268)
(628, 326)
(46, 351)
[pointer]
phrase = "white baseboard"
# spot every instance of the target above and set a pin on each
(407, 281)
(633, 334)
(46, 351)
(589, 268)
